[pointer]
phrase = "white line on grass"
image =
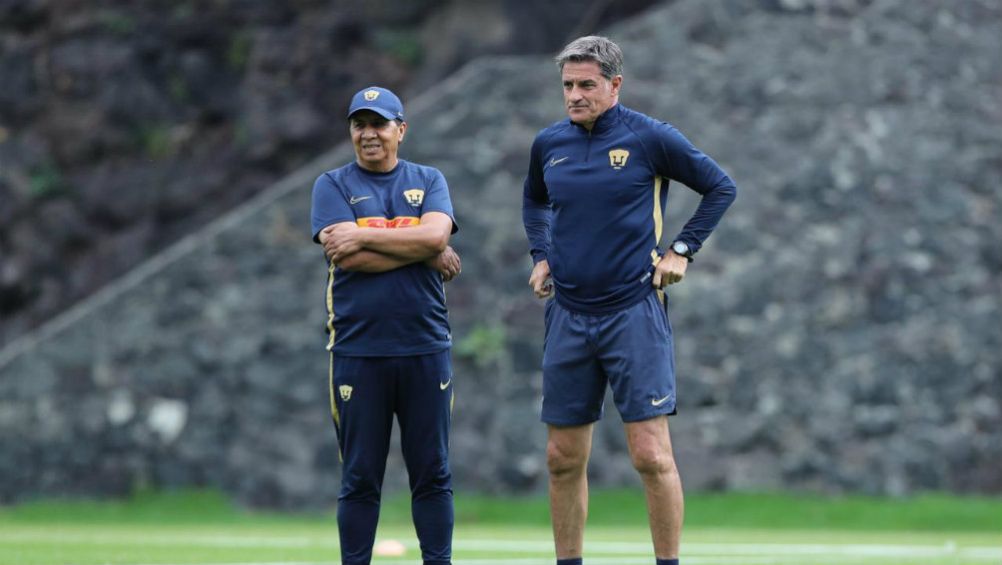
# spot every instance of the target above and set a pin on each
(645, 560)
(744, 552)
(200, 540)
(772, 551)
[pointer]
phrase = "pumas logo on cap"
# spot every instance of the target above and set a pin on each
(371, 95)
(414, 196)
(618, 157)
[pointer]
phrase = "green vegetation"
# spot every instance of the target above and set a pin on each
(46, 180)
(925, 512)
(485, 344)
(116, 22)
(155, 140)
(238, 52)
(177, 86)
(928, 512)
(146, 507)
(241, 133)
(200, 527)
(403, 44)
(182, 10)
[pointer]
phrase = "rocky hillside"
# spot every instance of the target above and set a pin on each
(125, 125)
(839, 332)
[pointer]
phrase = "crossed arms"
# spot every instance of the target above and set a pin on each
(377, 250)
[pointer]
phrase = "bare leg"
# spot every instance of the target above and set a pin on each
(651, 453)
(567, 453)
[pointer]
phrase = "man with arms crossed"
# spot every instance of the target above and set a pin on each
(385, 224)
(593, 206)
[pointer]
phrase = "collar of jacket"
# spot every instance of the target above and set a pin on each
(605, 121)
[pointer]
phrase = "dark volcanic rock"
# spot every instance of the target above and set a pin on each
(161, 116)
(838, 333)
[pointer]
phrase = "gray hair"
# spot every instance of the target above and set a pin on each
(594, 48)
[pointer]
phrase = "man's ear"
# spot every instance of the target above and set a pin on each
(403, 130)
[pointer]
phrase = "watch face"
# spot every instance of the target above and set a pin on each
(680, 247)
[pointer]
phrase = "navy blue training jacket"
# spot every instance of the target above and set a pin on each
(593, 204)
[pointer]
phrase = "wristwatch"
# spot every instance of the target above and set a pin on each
(682, 248)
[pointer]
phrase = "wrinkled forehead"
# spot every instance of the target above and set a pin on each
(577, 71)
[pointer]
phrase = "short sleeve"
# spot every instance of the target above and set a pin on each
(329, 205)
(436, 198)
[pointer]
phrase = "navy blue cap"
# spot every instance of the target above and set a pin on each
(379, 100)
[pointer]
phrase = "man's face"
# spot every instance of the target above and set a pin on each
(587, 93)
(376, 140)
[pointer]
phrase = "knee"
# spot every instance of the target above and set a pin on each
(361, 481)
(360, 489)
(563, 462)
(430, 481)
(653, 461)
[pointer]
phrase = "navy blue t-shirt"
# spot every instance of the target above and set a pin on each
(397, 312)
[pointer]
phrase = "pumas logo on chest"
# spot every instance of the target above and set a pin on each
(618, 157)
(414, 196)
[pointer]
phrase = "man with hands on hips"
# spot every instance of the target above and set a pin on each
(593, 206)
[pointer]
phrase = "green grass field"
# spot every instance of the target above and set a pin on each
(203, 528)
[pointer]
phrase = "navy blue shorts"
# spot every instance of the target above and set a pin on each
(631, 350)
